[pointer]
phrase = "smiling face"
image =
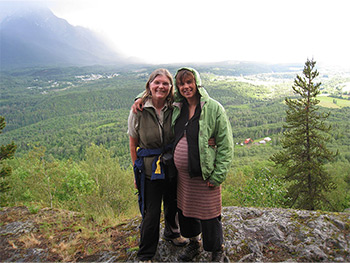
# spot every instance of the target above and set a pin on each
(160, 87)
(186, 85)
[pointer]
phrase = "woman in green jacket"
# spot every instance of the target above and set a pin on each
(201, 168)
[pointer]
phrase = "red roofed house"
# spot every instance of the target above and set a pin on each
(248, 141)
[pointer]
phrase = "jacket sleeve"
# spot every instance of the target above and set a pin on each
(224, 142)
(139, 95)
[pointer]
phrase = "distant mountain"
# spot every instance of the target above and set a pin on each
(34, 36)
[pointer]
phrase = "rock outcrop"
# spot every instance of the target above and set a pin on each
(251, 235)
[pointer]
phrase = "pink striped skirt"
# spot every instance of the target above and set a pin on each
(194, 197)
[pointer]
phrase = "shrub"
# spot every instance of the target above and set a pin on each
(254, 186)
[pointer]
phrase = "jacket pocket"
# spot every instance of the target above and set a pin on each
(210, 160)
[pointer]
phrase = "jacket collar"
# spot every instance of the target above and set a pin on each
(149, 104)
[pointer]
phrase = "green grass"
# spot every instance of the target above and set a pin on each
(107, 125)
(328, 102)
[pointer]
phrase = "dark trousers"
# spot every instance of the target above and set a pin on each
(155, 192)
(211, 230)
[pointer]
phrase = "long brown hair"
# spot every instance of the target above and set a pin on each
(163, 72)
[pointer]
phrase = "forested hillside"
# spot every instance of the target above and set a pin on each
(66, 111)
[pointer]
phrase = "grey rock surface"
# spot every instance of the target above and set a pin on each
(271, 234)
(250, 235)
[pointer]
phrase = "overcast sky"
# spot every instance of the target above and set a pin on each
(167, 31)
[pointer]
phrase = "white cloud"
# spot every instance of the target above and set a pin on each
(197, 30)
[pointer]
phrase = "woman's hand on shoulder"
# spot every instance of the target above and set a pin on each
(137, 106)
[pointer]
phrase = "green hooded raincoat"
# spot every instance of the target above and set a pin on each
(215, 161)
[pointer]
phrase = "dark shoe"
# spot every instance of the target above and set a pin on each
(179, 241)
(219, 256)
(191, 251)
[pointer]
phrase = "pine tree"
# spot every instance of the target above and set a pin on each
(6, 152)
(304, 151)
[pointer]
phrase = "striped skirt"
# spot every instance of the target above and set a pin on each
(194, 197)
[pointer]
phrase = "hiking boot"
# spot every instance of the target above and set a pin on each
(191, 251)
(219, 256)
(178, 241)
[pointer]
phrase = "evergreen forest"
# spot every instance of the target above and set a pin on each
(70, 128)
